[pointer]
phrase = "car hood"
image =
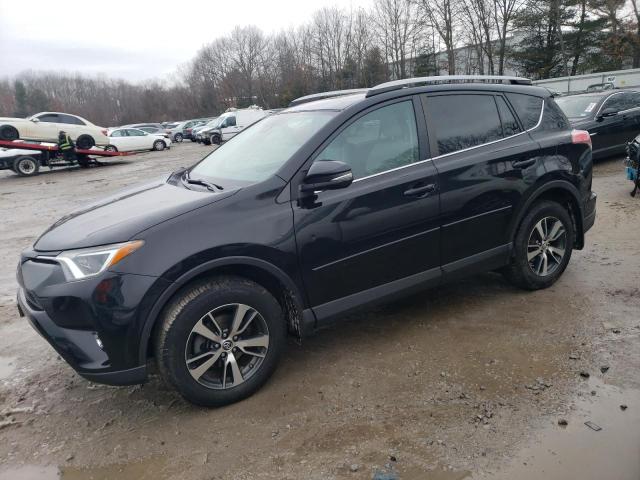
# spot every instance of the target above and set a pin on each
(120, 217)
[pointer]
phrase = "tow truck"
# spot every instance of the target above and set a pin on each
(26, 158)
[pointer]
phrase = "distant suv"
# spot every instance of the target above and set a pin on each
(330, 205)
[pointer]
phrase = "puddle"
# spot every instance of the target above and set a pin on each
(30, 472)
(7, 366)
(150, 469)
(576, 451)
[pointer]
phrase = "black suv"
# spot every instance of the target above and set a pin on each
(612, 117)
(327, 206)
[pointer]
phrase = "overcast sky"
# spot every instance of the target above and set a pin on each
(135, 40)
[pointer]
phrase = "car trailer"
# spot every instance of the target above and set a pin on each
(26, 158)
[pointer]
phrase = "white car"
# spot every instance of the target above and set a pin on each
(132, 139)
(46, 126)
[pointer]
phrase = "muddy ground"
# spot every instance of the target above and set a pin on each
(466, 381)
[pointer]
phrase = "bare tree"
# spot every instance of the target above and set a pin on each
(504, 10)
(443, 16)
(396, 20)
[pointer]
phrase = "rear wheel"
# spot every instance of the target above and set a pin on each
(159, 145)
(7, 132)
(542, 247)
(220, 340)
(26, 166)
(178, 137)
(85, 142)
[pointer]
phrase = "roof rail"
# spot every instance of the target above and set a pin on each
(323, 95)
(445, 79)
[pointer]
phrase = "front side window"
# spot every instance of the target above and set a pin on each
(622, 101)
(259, 151)
(117, 133)
(134, 132)
(464, 121)
(381, 140)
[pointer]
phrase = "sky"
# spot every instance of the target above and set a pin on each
(134, 40)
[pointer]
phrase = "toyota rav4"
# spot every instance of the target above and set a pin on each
(342, 200)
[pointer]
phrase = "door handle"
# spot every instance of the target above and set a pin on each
(422, 191)
(523, 163)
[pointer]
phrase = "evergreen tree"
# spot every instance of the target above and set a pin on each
(20, 93)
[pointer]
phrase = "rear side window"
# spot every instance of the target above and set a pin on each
(553, 118)
(49, 118)
(509, 123)
(70, 120)
(527, 107)
(464, 121)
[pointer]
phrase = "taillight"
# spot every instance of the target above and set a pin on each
(581, 136)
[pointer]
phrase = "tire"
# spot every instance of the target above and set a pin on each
(178, 138)
(206, 141)
(110, 148)
(215, 139)
(159, 145)
(205, 381)
(26, 166)
(193, 139)
(85, 142)
(8, 132)
(550, 249)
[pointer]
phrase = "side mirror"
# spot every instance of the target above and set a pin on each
(35, 120)
(608, 112)
(327, 175)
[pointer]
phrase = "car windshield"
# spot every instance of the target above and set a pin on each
(579, 106)
(259, 151)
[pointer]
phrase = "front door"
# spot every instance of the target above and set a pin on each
(383, 228)
(485, 161)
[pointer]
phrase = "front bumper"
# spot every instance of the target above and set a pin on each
(95, 325)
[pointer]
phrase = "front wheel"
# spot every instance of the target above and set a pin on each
(220, 340)
(159, 145)
(542, 247)
(178, 138)
(8, 132)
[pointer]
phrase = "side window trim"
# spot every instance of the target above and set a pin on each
(435, 151)
(605, 102)
(513, 113)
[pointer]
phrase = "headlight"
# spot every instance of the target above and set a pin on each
(88, 262)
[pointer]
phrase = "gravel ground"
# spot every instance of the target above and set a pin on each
(466, 381)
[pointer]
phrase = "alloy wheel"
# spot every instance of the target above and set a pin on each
(546, 247)
(227, 346)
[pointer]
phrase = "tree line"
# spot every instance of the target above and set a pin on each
(339, 48)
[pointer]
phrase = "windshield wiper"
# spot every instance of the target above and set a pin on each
(198, 181)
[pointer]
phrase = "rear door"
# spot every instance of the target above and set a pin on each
(485, 161)
(73, 125)
(382, 230)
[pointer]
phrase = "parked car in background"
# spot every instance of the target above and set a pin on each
(46, 126)
(229, 124)
(187, 128)
(146, 125)
(612, 118)
(328, 206)
(156, 131)
(131, 139)
(175, 131)
(198, 131)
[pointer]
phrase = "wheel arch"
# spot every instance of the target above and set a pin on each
(277, 282)
(562, 192)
